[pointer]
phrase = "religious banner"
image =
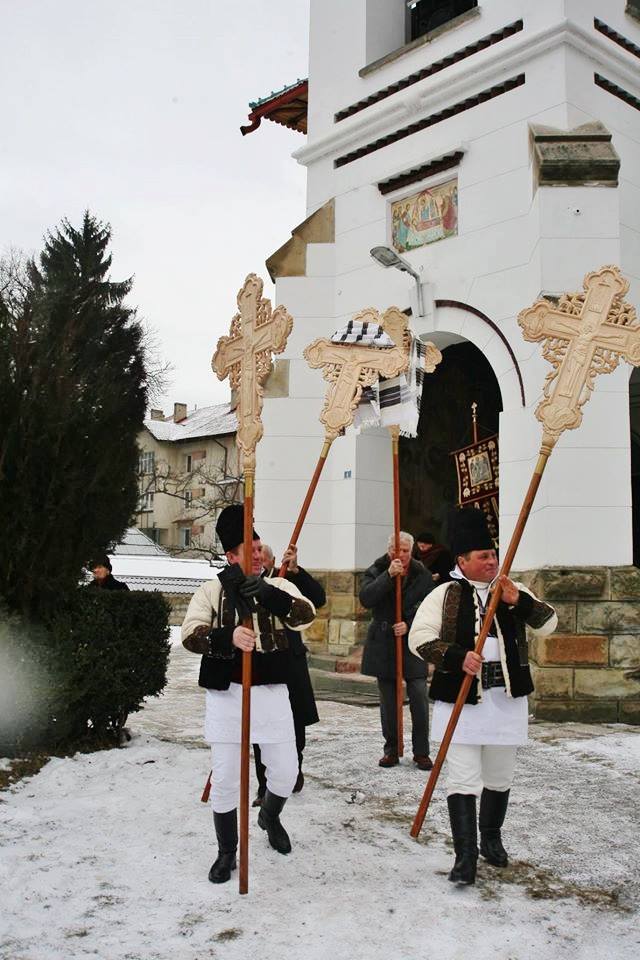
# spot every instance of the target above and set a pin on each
(478, 479)
(425, 217)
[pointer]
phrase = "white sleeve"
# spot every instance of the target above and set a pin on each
(427, 623)
(202, 608)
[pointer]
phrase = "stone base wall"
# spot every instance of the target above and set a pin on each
(179, 603)
(341, 625)
(589, 670)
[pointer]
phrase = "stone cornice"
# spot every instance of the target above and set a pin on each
(432, 94)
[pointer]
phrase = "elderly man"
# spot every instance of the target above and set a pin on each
(379, 659)
(481, 757)
(213, 628)
(268, 560)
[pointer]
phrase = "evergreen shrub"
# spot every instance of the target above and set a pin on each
(75, 682)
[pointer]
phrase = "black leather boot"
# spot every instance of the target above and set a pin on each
(462, 814)
(226, 825)
(269, 820)
(493, 807)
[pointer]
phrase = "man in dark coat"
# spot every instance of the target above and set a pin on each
(103, 579)
(435, 556)
(379, 660)
(301, 697)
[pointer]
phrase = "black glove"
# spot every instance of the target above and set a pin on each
(253, 587)
(274, 600)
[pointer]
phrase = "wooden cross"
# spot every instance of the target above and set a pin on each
(245, 357)
(586, 334)
(350, 366)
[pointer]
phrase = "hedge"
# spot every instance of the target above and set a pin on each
(78, 678)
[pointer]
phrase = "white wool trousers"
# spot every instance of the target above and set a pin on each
(280, 759)
(470, 767)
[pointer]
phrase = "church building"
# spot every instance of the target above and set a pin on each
(493, 151)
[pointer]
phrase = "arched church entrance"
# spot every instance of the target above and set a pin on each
(428, 478)
(634, 421)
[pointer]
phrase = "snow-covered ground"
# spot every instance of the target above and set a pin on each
(106, 855)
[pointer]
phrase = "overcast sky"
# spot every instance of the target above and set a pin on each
(132, 108)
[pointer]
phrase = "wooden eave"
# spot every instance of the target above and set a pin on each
(288, 108)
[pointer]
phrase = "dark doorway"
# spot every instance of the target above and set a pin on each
(634, 417)
(428, 485)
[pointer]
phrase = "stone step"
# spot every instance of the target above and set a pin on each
(343, 687)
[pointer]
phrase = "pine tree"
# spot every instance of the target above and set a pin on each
(73, 391)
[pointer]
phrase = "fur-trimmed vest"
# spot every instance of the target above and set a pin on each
(461, 621)
(271, 665)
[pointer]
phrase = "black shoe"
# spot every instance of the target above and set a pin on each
(226, 825)
(269, 820)
(493, 808)
(299, 782)
(462, 814)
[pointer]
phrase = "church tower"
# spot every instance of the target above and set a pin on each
(496, 148)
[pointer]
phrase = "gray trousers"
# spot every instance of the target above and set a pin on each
(419, 707)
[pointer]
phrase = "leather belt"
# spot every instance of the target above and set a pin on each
(492, 675)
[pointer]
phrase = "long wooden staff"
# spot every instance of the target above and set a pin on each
(324, 453)
(349, 367)
(245, 357)
(596, 330)
(395, 434)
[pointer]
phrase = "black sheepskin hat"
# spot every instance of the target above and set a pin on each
(230, 527)
(468, 530)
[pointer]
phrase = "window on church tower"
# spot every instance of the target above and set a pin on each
(428, 15)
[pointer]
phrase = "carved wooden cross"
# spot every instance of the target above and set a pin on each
(245, 357)
(586, 334)
(349, 367)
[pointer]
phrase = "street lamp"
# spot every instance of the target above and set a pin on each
(387, 257)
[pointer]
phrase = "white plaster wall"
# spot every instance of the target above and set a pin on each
(513, 243)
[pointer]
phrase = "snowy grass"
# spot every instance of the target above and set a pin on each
(106, 854)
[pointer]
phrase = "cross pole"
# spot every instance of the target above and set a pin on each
(586, 334)
(348, 367)
(245, 358)
(432, 359)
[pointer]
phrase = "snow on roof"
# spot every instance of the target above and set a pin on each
(214, 421)
(137, 543)
(165, 573)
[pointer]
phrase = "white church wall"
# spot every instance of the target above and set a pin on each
(514, 241)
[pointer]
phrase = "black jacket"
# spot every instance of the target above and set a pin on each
(303, 701)
(110, 583)
(378, 593)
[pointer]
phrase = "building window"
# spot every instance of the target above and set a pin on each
(188, 463)
(146, 501)
(146, 461)
(185, 536)
(428, 15)
(188, 499)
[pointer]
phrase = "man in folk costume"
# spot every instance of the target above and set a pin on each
(301, 696)
(379, 657)
(213, 628)
(493, 722)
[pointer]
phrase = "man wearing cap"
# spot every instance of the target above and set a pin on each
(493, 721)
(213, 628)
(103, 579)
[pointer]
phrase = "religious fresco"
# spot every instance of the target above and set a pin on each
(425, 217)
